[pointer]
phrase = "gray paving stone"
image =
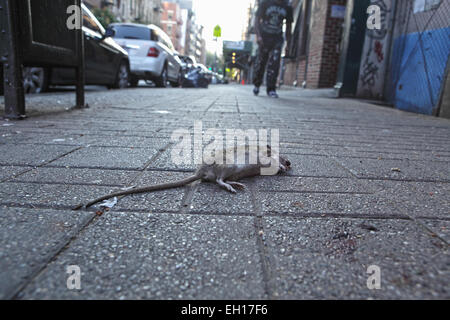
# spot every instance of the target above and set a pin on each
(157, 201)
(166, 162)
(29, 239)
(315, 166)
(285, 182)
(323, 204)
(396, 169)
(49, 195)
(54, 138)
(130, 142)
(329, 259)
(119, 158)
(9, 171)
(419, 199)
(158, 256)
(439, 228)
(209, 198)
(31, 155)
(78, 176)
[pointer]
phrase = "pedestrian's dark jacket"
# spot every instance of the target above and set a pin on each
(272, 13)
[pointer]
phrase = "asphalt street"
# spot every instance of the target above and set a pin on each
(369, 187)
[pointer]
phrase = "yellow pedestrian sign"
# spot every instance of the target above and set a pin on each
(217, 31)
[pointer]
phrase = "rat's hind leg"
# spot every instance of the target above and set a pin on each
(225, 185)
(236, 185)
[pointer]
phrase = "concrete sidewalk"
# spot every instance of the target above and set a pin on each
(370, 186)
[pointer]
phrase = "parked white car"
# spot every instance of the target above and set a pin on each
(151, 53)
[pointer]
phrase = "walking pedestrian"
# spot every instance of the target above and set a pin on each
(270, 17)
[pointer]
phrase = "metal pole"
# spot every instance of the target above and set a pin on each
(14, 92)
(215, 55)
(80, 70)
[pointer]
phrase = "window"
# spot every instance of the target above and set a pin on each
(130, 32)
(169, 29)
(90, 22)
(425, 5)
(306, 17)
(170, 15)
(302, 20)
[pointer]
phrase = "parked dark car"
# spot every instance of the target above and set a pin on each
(195, 78)
(106, 62)
(186, 63)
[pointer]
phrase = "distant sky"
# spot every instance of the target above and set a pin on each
(231, 15)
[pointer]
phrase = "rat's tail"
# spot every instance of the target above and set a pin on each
(156, 187)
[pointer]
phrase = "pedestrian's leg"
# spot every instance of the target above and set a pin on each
(273, 67)
(260, 66)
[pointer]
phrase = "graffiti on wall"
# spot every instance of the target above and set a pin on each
(373, 66)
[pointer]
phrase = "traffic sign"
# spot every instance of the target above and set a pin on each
(217, 31)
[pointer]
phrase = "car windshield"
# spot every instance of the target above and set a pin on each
(130, 32)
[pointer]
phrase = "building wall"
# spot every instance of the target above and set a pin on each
(445, 99)
(195, 46)
(319, 66)
(420, 54)
(138, 11)
(331, 46)
(375, 55)
(172, 23)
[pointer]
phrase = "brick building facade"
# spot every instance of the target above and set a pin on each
(138, 11)
(172, 23)
(315, 49)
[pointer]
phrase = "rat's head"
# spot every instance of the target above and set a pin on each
(284, 163)
(206, 172)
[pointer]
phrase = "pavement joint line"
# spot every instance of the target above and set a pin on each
(336, 215)
(66, 183)
(312, 215)
(315, 192)
(264, 254)
(306, 154)
(50, 257)
(38, 166)
(88, 146)
(40, 206)
(339, 216)
(403, 180)
(159, 152)
(210, 106)
(91, 168)
(116, 168)
(237, 106)
(17, 175)
(322, 215)
(385, 158)
(188, 196)
(139, 174)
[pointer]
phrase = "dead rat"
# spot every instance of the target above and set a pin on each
(225, 175)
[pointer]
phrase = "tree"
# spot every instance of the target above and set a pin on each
(104, 16)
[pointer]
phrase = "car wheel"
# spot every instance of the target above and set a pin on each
(177, 83)
(123, 76)
(134, 81)
(35, 80)
(161, 82)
